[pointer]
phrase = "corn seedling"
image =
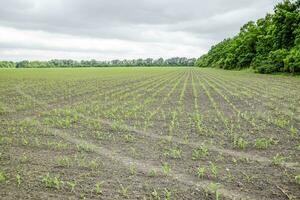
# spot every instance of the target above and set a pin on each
(297, 178)
(278, 160)
(71, 185)
(64, 161)
(214, 169)
(166, 169)
(18, 179)
(152, 173)
(239, 143)
(173, 153)
(214, 188)
(98, 188)
(201, 172)
(52, 181)
(293, 131)
(167, 194)
(124, 191)
(263, 143)
(155, 195)
(132, 170)
(199, 153)
(2, 177)
(129, 138)
(84, 148)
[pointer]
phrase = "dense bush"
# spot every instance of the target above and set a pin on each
(292, 61)
(269, 45)
(176, 61)
(7, 64)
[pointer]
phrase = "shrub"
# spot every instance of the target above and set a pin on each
(292, 61)
(266, 68)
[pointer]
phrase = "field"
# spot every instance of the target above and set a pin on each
(148, 133)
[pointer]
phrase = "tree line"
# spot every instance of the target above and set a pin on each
(271, 44)
(176, 61)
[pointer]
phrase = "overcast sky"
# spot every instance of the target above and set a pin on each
(118, 29)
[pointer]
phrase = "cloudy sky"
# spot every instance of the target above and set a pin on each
(118, 29)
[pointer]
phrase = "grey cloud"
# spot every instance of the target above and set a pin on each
(16, 46)
(135, 20)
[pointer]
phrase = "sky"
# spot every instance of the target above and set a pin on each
(120, 29)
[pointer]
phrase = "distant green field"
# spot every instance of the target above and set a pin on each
(148, 133)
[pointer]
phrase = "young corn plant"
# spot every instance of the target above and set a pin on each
(18, 179)
(152, 173)
(64, 161)
(297, 178)
(293, 131)
(281, 122)
(174, 153)
(239, 142)
(84, 148)
(166, 168)
(278, 160)
(2, 177)
(98, 188)
(132, 169)
(167, 194)
(214, 188)
(92, 165)
(129, 138)
(214, 169)
(52, 181)
(155, 195)
(263, 143)
(200, 152)
(201, 172)
(124, 191)
(71, 185)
